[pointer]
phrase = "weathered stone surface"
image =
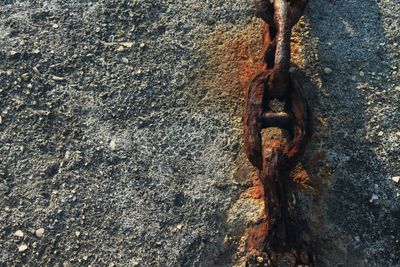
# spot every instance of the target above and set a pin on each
(127, 124)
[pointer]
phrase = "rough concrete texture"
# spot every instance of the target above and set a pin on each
(120, 131)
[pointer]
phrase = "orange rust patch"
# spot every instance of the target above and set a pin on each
(257, 190)
(256, 237)
(233, 59)
(305, 179)
(301, 176)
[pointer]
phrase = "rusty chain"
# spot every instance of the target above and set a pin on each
(282, 234)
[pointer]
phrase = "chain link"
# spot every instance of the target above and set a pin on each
(275, 159)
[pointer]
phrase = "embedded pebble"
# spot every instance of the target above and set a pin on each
(396, 179)
(23, 247)
(127, 44)
(327, 70)
(57, 78)
(39, 232)
(113, 144)
(19, 233)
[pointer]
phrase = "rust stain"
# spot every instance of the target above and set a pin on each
(257, 190)
(256, 237)
(233, 59)
(301, 176)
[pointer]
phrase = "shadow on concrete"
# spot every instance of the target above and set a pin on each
(355, 217)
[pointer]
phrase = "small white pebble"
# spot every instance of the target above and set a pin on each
(36, 70)
(396, 179)
(19, 233)
(179, 226)
(55, 26)
(57, 78)
(380, 133)
(39, 232)
(327, 70)
(113, 144)
(22, 247)
(127, 44)
(361, 73)
(77, 233)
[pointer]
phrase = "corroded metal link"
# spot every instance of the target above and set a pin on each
(265, 10)
(273, 83)
(278, 82)
(275, 179)
(282, 120)
(275, 159)
(297, 121)
(283, 235)
(252, 120)
(302, 128)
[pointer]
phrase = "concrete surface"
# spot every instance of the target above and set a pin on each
(120, 131)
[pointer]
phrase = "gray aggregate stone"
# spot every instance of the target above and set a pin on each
(124, 163)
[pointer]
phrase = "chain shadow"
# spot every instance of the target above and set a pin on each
(355, 211)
